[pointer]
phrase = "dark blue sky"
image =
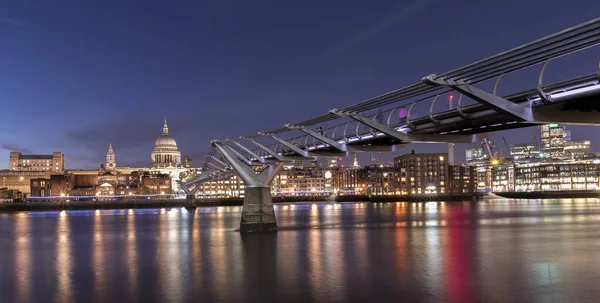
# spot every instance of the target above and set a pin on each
(76, 75)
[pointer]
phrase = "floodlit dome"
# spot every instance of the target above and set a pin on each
(165, 150)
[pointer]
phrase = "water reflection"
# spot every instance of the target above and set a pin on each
(500, 250)
(22, 255)
(64, 260)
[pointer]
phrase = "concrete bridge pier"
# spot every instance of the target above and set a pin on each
(258, 214)
(190, 201)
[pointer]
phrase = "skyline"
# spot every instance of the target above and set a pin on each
(114, 82)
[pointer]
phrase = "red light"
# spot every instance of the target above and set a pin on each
(339, 159)
(342, 165)
(451, 97)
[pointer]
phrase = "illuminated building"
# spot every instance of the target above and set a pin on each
(301, 181)
(556, 176)
(166, 159)
(503, 177)
(53, 163)
(578, 150)
(165, 153)
(381, 179)
(232, 187)
(351, 180)
(187, 162)
(20, 180)
(111, 161)
(525, 151)
(89, 184)
(422, 173)
(552, 141)
(462, 179)
(475, 154)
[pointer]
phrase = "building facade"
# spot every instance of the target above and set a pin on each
(54, 163)
(557, 176)
(462, 179)
(301, 181)
(381, 180)
(352, 180)
(422, 173)
(552, 141)
(165, 153)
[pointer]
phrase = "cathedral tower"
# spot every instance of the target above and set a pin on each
(110, 158)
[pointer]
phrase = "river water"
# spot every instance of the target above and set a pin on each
(489, 251)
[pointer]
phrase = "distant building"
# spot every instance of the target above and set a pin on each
(88, 184)
(525, 151)
(54, 163)
(232, 187)
(187, 162)
(552, 141)
(165, 153)
(422, 173)
(111, 161)
(578, 150)
(475, 154)
(300, 181)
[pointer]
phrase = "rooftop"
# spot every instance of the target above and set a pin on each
(35, 157)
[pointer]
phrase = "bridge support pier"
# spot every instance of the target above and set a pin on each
(258, 214)
(190, 201)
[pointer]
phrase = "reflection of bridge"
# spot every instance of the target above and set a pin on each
(410, 114)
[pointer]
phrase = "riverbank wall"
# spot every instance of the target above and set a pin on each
(550, 194)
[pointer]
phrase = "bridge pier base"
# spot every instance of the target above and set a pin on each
(190, 201)
(258, 214)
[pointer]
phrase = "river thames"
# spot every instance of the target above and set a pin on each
(489, 251)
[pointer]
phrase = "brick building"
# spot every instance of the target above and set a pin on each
(422, 173)
(54, 163)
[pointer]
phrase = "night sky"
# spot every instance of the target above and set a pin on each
(76, 75)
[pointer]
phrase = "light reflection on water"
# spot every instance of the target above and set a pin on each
(496, 250)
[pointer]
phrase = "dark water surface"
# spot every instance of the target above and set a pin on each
(490, 251)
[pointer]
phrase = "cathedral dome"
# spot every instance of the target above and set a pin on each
(165, 151)
(165, 142)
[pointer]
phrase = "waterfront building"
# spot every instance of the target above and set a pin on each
(232, 187)
(462, 179)
(503, 177)
(351, 180)
(381, 179)
(556, 176)
(422, 173)
(53, 163)
(302, 181)
(87, 184)
(20, 180)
